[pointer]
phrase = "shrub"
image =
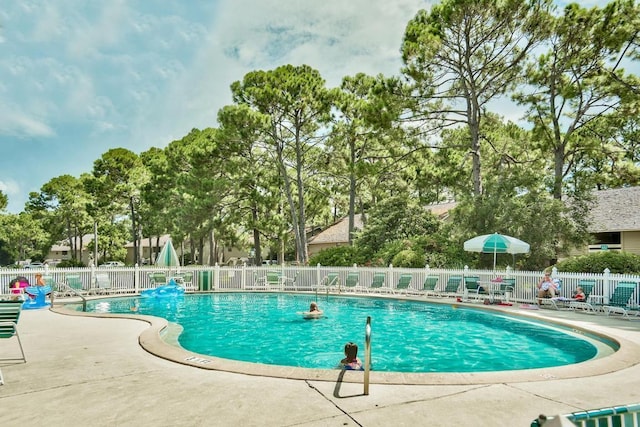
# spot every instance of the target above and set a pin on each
(616, 262)
(408, 258)
(71, 263)
(339, 256)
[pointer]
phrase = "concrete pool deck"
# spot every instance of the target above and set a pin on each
(93, 371)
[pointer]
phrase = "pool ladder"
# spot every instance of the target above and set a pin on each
(367, 354)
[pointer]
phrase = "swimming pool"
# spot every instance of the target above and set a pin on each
(408, 336)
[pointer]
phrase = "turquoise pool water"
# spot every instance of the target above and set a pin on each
(407, 336)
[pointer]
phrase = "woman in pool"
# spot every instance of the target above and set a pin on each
(313, 313)
(351, 361)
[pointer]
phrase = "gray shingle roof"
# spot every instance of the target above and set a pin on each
(338, 232)
(616, 210)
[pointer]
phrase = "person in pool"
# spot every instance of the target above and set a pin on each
(313, 313)
(351, 361)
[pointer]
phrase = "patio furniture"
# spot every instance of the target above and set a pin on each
(620, 301)
(502, 288)
(429, 285)
(329, 281)
(473, 288)
(274, 279)
(379, 283)
(587, 286)
(453, 283)
(404, 284)
(9, 316)
(185, 280)
(158, 278)
(103, 284)
(353, 282)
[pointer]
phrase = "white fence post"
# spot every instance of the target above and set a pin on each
(606, 285)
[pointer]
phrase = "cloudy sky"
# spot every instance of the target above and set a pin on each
(79, 77)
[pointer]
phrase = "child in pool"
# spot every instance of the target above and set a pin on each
(351, 361)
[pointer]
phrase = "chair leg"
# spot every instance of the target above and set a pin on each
(20, 344)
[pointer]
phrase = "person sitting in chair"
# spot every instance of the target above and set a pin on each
(546, 288)
(578, 294)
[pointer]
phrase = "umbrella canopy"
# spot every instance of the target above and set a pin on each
(496, 244)
(167, 256)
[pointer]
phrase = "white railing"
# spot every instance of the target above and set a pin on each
(133, 280)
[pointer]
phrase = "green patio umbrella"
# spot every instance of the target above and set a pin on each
(168, 256)
(496, 244)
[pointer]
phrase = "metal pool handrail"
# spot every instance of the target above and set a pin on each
(367, 354)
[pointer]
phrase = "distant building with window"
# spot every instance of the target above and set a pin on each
(615, 220)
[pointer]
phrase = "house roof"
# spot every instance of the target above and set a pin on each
(615, 210)
(441, 210)
(145, 241)
(64, 245)
(337, 232)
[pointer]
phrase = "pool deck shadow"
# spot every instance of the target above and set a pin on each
(106, 372)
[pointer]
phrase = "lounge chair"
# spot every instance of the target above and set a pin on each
(352, 283)
(587, 286)
(505, 288)
(329, 281)
(185, 280)
(379, 283)
(103, 284)
(624, 415)
(9, 315)
(404, 284)
(429, 286)
(74, 285)
(158, 278)
(620, 301)
(453, 283)
(274, 279)
(472, 287)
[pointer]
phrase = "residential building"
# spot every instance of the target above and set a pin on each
(615, 220)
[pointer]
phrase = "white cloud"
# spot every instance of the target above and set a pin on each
(337, 38)
(20, 124)
(10, 187)
(117, 73)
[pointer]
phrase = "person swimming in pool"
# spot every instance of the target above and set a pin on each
(351, 361)
(313, 313)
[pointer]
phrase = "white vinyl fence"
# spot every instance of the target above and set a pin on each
(133, 280)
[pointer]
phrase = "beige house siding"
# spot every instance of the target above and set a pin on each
(151, 253)
(631, 242)
(614, 211)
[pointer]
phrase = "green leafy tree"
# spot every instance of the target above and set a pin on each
(392, 219)
(571, 84)
(118, 176)
(298, 107)
(61, 206)
(256, 189)
(463, 54)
